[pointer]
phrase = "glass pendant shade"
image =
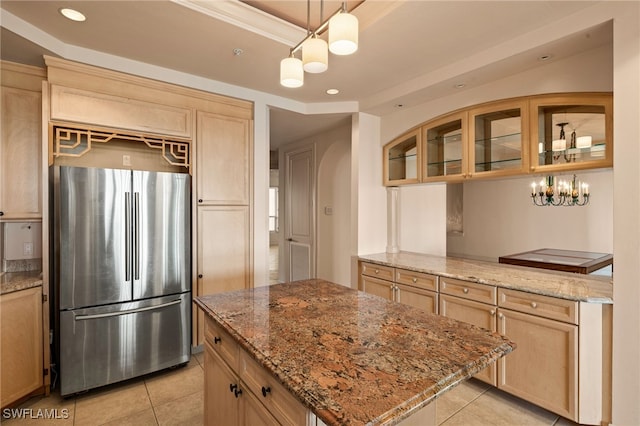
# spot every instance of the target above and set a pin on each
(343, 34)
(315, 55)
(291, 72)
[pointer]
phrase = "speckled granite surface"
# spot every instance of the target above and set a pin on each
(565, 285)
(350, 357)
(15, 281)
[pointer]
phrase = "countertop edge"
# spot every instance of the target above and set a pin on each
(11, 282)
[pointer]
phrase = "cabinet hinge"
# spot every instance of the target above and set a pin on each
(44, 298)
(45, 372)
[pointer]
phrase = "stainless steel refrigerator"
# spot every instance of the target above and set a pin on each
(123, 255)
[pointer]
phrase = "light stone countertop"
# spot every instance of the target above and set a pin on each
(564, 285)
(350, 357)
(16, 281)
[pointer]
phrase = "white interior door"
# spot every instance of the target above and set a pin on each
(299, 232)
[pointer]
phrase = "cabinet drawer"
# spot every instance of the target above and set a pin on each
(221, 342)
(468, 290)
(417, 279)
(378, 271)
(535, 304)
(275, 397)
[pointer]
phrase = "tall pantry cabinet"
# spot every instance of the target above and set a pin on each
(191, 131)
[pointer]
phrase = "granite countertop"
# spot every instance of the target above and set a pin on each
(565, 285)
(15, 281)
(350, 357)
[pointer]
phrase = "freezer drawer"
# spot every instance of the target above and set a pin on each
(107, 344)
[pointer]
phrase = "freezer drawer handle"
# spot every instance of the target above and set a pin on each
(130, 311)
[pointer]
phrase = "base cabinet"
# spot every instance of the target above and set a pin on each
(21, 348)
(239, 392)
(411, 288)
(546, 349)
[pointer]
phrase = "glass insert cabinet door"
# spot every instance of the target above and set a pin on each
(499, 135)
(572, 132)
(401, 159)
(445, 146)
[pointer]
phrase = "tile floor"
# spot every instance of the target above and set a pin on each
(175, 397)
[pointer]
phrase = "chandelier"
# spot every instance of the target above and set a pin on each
(551, 192)
(343, 40)
(569, 152)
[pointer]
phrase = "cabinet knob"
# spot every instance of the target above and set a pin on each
(534, 305)
(216, 340)
(1, 213)
(237, 392)
(415, 280)
(377, 271)
(200, 275)
(500, 315)
(493, 312)
(232, 387)
(266, 390)
(200, 200)
(465, 290)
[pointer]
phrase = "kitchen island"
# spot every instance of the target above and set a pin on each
(346, 357)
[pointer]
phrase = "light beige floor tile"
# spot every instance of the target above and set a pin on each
(457, 398)
(199, 357)
(42, 411)
(143, 418)
(496, 408)
(185, 411)
(101, 406)
(175, 384)
(565, 422)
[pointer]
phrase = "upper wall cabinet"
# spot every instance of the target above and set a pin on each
(535, 134)
(571, 132)
(401, 159)
(445, 145)
(499, 139)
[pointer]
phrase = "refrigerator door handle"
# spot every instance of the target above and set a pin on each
(136, 229)
(130, 311)
(127, 230)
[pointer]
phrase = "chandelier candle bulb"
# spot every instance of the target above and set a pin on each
(559, 145)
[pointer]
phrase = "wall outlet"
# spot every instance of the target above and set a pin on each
(27, 249)
(126, 160)
(328, 210)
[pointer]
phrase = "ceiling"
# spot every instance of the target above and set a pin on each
(409, 51)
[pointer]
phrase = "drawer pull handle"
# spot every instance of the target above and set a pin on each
(266, 390)
(216, 340)
(232, 387)
(237, 392)
(465, 290)
(415, 280)
(534, 305)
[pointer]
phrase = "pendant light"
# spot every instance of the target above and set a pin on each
(343, 33)
(291, 72)
(315, 55)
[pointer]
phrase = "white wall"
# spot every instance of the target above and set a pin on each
(499, 218)
(334, 193)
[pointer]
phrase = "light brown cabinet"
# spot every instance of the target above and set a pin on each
(474, 304)
(223, 251)
(21, 345)
(506, 138)
(411, 288)
(238, 391)
(223, 158)
(20, 154)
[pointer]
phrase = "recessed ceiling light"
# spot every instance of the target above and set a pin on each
(399, 105)
(332, 91)
(73, 14)
(459, 85)
(544, 57)
(237, 51)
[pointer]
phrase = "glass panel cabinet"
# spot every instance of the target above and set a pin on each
(401, 159)
(571, 132)
(445, 148)
(499, 132)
